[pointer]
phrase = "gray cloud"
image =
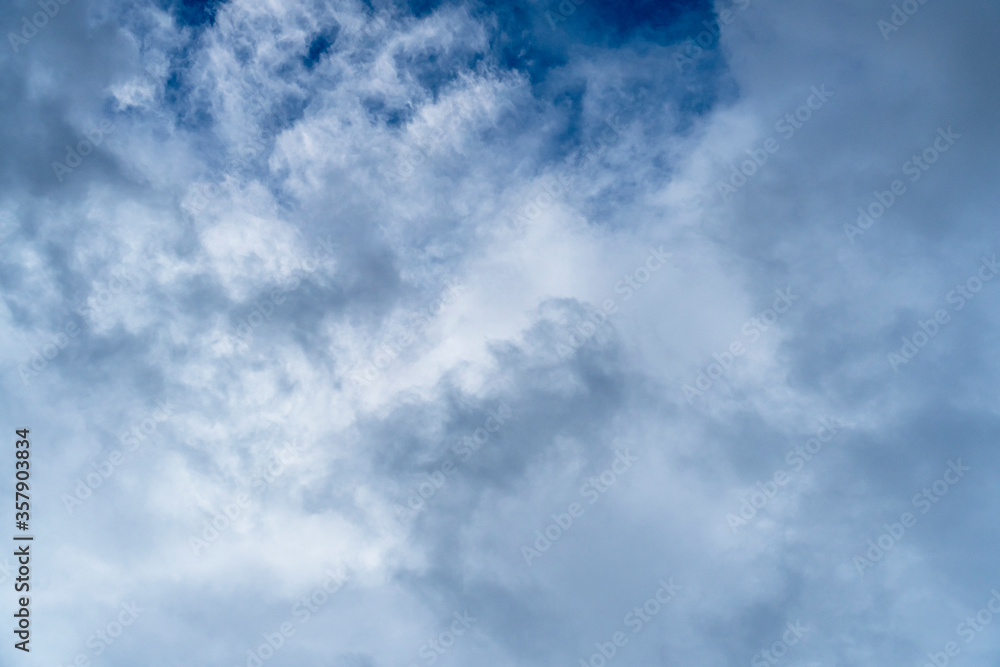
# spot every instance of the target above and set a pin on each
(280, 196)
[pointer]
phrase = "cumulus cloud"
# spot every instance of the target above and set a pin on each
(415, 333)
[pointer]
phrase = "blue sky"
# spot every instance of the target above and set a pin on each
(503, 333)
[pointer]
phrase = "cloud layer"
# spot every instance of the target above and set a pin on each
(527, 333)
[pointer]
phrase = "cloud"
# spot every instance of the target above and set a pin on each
(338, 239)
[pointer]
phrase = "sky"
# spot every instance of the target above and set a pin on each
(529, 333)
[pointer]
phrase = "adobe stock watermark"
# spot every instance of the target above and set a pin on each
(899, 17)
(628, 286)
(230, 512)
(40, 357)
(417, 154)
(796, 458)
(786, 126)
(131, 439)
(201, 194)
(104, 637)
(564, 10)
(924, 501)
(793, 634)
(5, 571)
(928, 329)
(967, 630)
(437, 646)
(752, 330)
(693, 48)
(302, 611)
(466, 448)
(637, 620)
(30, 28)
(915, 168)
(264, 308)
(386, 354)
(103, 296)
(76, 155)
(592, 490)
(555, 187)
